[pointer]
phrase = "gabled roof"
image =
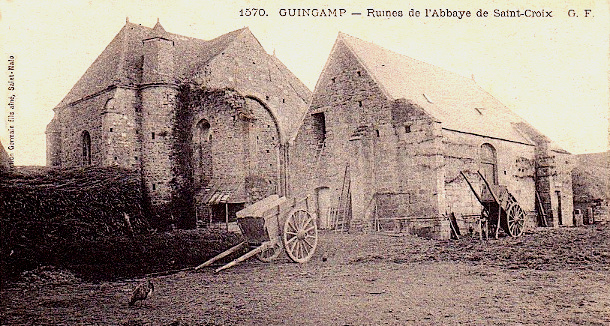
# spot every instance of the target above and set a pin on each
(121, 62)
(457, 102)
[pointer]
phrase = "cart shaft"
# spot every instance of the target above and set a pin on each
(221, 255)
(251, 253)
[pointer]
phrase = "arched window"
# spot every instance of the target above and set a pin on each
(86, 145)
(202, 141)
(489, 163)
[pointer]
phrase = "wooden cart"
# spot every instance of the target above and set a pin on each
(500, 208)
(273, 224)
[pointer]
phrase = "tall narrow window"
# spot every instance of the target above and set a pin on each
(319, 125)
(86, 145)
(489, 163)
(202, 141)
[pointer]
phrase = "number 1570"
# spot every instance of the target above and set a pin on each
(251, 12)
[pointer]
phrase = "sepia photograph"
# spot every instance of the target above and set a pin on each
(305, 162)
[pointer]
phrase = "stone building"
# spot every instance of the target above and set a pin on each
(397, 132)
(206, 122)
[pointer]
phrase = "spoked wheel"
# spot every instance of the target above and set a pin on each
(515, 220)
(271, 253)
(300, 236)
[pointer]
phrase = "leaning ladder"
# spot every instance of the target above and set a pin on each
(340, 214)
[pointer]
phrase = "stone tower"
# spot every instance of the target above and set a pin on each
(158, 96)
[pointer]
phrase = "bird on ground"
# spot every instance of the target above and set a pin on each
(143, 291)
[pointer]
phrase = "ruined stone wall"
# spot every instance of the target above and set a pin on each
(515, 170)
(263, 174)
(554, 184)
(228, 144)
(243, 146)
(245, 67)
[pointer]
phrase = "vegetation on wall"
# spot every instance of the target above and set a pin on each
(191, 97)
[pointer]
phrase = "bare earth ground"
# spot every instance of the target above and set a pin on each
(551, 277)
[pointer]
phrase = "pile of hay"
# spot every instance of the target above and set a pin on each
(74, 219)
(43, 210)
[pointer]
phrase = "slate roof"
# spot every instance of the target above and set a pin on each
(457, 102)
(121, 61)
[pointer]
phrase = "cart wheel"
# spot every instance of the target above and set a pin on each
(515, 219)
(300, 236)
(271, 253)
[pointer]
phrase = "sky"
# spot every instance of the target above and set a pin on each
(552, 71)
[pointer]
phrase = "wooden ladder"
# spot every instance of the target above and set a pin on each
(340, 213)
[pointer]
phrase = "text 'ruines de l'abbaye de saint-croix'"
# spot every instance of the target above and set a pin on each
(417, 13)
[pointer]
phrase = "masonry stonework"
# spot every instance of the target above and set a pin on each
(401, 143)
(126, 111)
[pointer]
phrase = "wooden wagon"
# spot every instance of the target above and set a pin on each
(272, 225)
(500, 208)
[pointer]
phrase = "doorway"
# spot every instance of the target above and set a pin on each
(323, 207)
(559, 217)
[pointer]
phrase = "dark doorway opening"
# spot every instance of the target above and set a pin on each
(559, 217)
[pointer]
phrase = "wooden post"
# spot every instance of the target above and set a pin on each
(227, 216)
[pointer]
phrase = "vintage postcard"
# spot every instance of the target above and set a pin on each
(387, 162)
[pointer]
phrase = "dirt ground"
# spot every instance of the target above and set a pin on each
(550, 277)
